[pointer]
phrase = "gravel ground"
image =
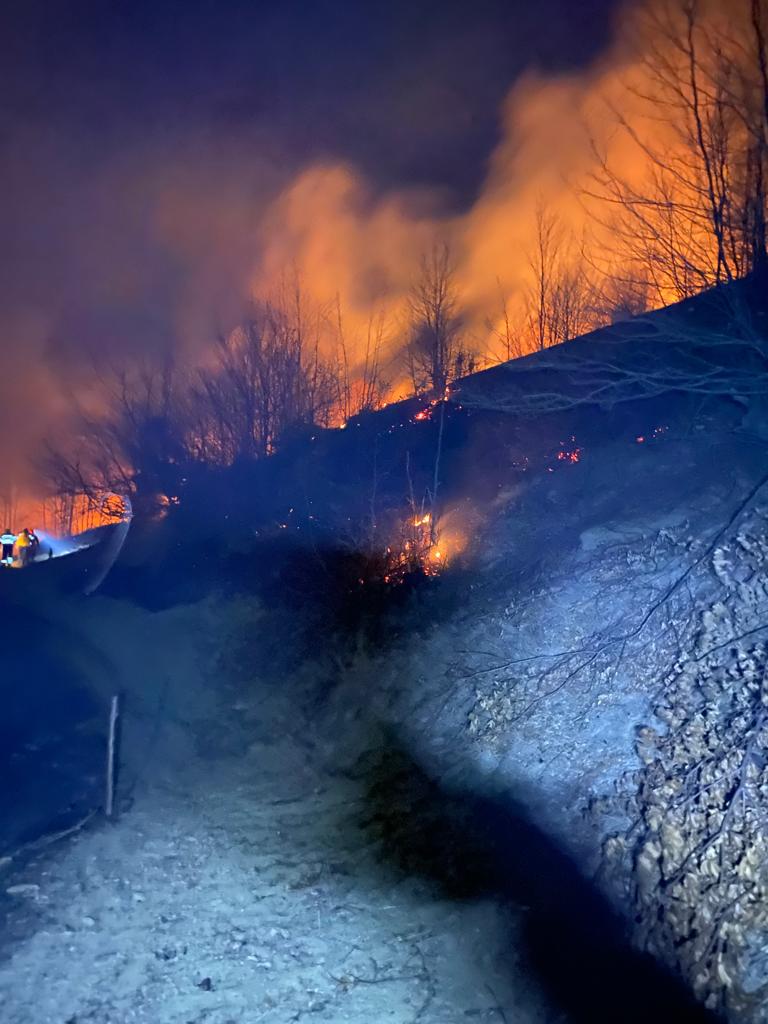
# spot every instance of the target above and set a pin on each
(240, 886)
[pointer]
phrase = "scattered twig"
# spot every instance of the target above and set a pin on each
(51, 837)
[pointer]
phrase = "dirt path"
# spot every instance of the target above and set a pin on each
(240, 887)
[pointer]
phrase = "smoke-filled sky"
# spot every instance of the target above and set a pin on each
(157, 158)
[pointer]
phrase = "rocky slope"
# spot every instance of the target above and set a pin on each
(606, 671)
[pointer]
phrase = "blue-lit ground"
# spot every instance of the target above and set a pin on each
(239, 884)
(306, 826)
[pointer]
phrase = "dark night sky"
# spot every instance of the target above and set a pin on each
(410, 91)
(140, 140)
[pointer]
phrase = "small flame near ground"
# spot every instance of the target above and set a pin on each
(428, 411)
(428, 548)
(424, 548)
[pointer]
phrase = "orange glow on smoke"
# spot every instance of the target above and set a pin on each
(63, 517)
(347, 245)
(351, 244)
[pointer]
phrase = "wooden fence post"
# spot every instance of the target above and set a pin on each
(111, 780)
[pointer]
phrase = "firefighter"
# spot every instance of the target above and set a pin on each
(34, 545)
(7, 540)
(22, 549)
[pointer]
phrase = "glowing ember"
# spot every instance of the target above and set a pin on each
(426, 413)
(574, 455)
(164, 503)
(657, 432)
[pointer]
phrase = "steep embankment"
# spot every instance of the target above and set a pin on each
(607, 671)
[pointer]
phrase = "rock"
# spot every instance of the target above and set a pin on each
(23, 889)
(168, 953)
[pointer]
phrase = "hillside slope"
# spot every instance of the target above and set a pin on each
(606, 671)
(555, 737)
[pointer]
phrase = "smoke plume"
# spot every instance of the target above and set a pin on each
(156, 246)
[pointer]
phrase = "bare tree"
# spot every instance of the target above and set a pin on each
(135, 447)
(560, 303)
(543, 262)
(697, 218)
(620, 297)
(267, 379)
(360, 385)
(435, 352)
(508, 336)
(9, 505)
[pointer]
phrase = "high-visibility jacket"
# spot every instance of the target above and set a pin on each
(23, 540)
(8, 538)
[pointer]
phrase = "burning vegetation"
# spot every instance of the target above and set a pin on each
(418, 551)
(427, 412)
(284, 412)
(383, 302)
